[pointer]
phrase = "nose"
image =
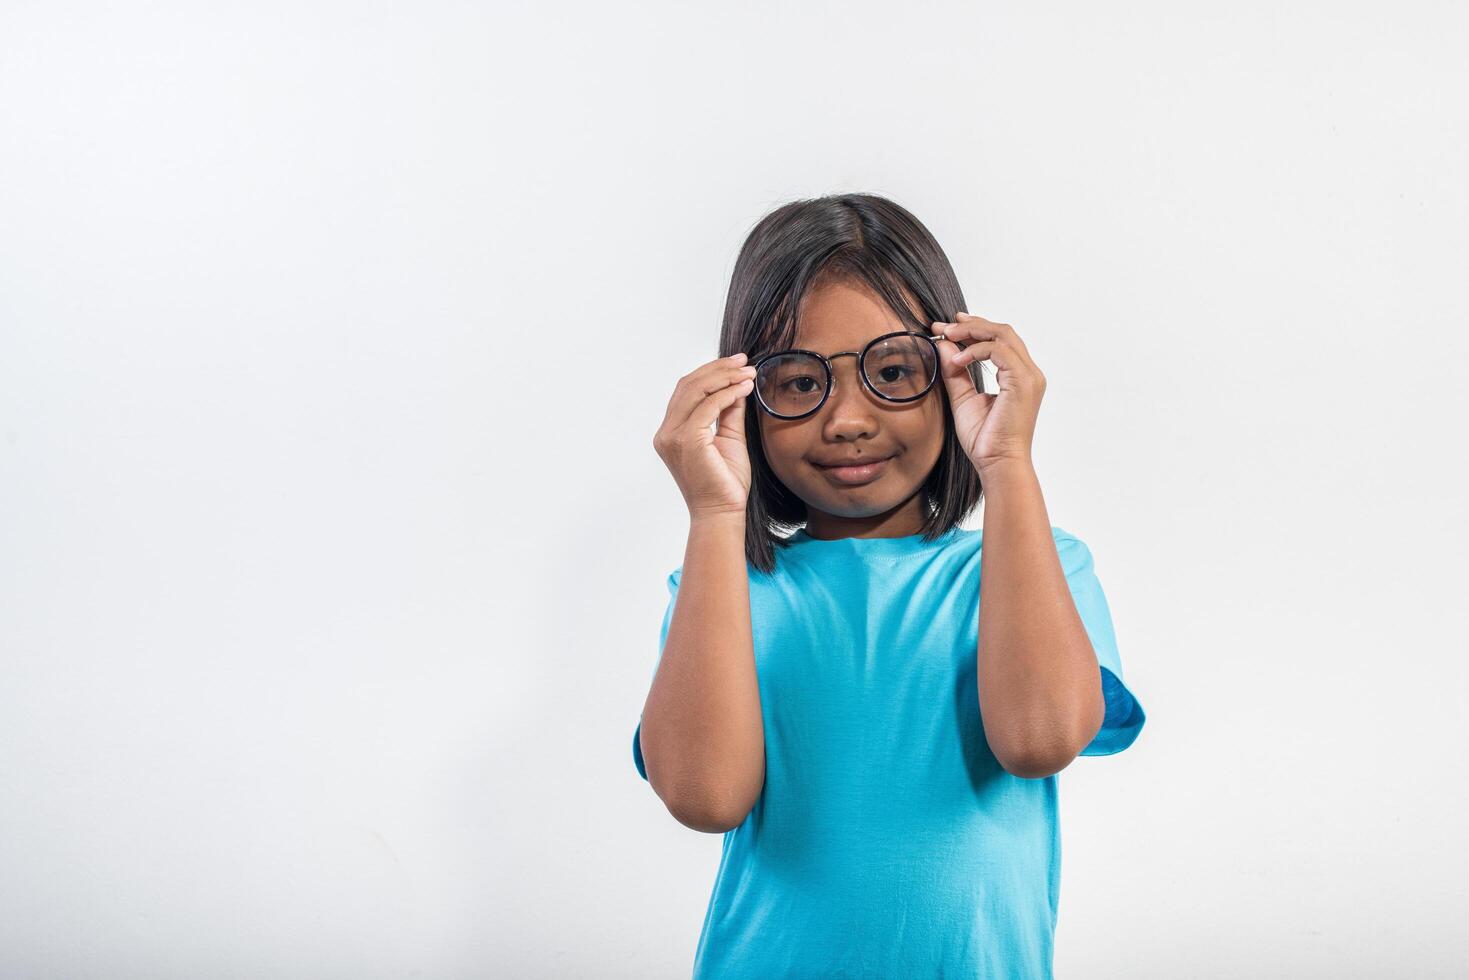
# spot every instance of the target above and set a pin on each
(850, 409)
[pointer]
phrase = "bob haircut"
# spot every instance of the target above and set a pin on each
(860, 239)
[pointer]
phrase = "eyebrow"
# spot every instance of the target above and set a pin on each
(858, 350)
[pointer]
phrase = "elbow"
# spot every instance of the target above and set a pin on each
(715, 806)
(1037, 760)
(710, 796)
(708, 816)
(697, 806)
(1036, 765)
(1044, 754)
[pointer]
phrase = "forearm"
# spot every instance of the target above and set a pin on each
(702, 735)
(1040, 691)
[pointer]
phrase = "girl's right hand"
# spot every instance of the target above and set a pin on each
(712, 469)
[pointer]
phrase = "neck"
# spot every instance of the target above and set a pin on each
(903, 520)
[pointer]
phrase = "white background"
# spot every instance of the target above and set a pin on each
(333, 547)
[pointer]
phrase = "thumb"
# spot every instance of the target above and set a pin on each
(732, 420)
(958, 381)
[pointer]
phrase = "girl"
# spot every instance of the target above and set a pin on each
(880, 755)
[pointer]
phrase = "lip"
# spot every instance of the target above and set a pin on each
(855, 475)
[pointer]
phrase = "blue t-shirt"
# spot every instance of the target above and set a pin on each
(887, 841)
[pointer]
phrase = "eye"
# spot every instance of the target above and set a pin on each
(902, 372)
(804, 391)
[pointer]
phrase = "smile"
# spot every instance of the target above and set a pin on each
(855, 475)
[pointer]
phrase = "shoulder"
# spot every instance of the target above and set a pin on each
(756, 577)
(1076, 557)
(1067, 544)
(1065, 539)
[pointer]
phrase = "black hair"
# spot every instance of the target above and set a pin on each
(860, 238)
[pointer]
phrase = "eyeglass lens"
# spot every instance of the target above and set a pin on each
(898, 368)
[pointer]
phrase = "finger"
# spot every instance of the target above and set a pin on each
(707, 412)
(732, 420)
(947, 337)
(702, 382)
(950, 341)
(1010, 367)
(963, 380)
(1003, 330)
(962, 388)
(967, 326)
(977, 351)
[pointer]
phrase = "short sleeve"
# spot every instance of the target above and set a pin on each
(637, 748)
(1124, 718)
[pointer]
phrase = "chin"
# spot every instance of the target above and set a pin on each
(857, 502)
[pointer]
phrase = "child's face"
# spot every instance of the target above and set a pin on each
(854, 422)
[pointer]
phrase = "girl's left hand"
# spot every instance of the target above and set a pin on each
(992, 428)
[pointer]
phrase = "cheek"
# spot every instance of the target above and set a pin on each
(781, 450)
(924, 446)
(785, 458)
(782, 437)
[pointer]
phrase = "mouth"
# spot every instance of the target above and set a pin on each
(855, 475)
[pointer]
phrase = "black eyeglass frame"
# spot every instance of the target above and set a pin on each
(861, 356)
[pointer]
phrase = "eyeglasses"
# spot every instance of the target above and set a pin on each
(896, 367)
